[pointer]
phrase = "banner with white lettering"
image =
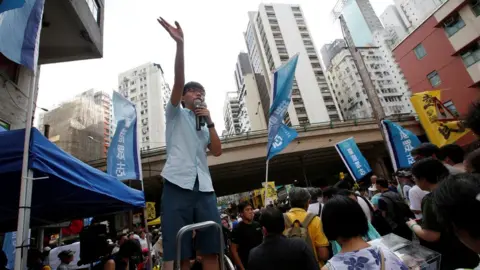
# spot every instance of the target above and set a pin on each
(353, 159)
(400, 143)
(279, 134)
(123, 153)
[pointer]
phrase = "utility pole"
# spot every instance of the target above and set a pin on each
(377, 107)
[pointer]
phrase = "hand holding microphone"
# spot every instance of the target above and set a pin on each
(202, 113)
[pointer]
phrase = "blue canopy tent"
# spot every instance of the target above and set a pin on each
(72, 190)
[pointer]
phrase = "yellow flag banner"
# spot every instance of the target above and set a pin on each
(271, 193)
(151, 213)
(440, 124)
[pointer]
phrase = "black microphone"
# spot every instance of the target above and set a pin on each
(199, 120)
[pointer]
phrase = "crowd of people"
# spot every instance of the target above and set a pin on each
(435, 201)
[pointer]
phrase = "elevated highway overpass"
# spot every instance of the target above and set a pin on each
(310, 157)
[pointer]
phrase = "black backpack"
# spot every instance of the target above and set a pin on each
(378, 220)
(400, 208)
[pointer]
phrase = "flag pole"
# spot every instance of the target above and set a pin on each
(23, 223)
(266, 183)
(140, 171)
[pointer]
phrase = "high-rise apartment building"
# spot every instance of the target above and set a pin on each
(346, 82)
(414, 12)
(231, 111)
(145, 87)
(362, 21)
(276, 33)
(82, 125)
(393, 23)
(251, 114)
(329, 51)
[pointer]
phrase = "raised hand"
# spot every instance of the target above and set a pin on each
(175, 33)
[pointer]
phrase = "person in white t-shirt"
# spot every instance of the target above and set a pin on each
(415, 196)
(316, 203)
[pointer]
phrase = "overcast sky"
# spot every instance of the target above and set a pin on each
(213, 38)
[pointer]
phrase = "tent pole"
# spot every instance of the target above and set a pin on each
(145, 224)
(23, 223)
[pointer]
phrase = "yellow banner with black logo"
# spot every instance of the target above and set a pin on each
(440, 124)
(151, 212)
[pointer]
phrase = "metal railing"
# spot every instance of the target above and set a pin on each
(300, 129)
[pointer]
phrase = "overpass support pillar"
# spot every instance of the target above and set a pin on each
(380, 169)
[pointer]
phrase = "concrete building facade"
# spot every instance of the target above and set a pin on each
(231, 112)
(329, 50)
(393, 23)
(72, 30)
(444, 53)
(280, 31)
(79, 126)
(251, 114)
(145, 86)
(347, 85)
(414, 12)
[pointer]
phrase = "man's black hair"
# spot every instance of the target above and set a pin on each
(241, 206)
(430, 169)
(329, 192)
(191, 85)
(130, 248)
(382, 182)
(473, 118)
(344, 192)
(272, 219)
(452, 151)
(315, 193)
(426, 150)
(343, 217)
(473, 160)
(455, 198)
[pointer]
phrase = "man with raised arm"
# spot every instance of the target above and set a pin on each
(188, 196)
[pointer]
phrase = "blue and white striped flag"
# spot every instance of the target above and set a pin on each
(20, 33)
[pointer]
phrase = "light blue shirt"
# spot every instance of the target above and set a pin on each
(186, 150)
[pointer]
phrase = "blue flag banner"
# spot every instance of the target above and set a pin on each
(7, 5)
(123, 154)
(279, 134)
(20, 31)
(353, 159)
(400, 143)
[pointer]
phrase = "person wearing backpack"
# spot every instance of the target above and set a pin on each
(395, 210)
(303, 225)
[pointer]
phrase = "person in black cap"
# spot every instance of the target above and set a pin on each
(188, 187)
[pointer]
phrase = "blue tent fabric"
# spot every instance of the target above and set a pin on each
(73, 189)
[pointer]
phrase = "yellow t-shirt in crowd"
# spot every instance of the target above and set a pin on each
(315, 229)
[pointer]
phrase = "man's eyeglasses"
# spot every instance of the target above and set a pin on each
(196, 90)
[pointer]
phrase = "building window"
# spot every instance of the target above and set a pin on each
(434, 79)
(475, 5)
(453, 24)
(420, 51)
(451, 107)
(471, 56)
(94, 9)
